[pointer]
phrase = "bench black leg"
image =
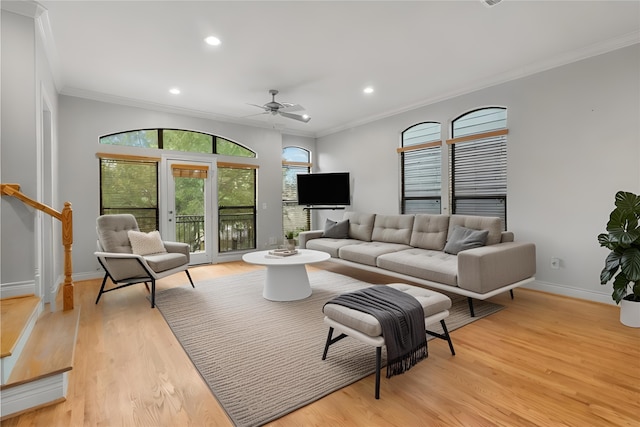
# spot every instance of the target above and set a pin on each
(327, 344)
(470, 301)
(378, 367)
(448, 337)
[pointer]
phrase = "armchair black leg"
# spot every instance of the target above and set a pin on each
(511, 293)
(153, 293)
(104, 282)
(190, 281)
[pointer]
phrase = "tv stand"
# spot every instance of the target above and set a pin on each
(333, 208)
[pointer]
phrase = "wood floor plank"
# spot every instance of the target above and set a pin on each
(544, 360)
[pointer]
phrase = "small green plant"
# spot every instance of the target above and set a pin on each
(291, 234)
(623, 239)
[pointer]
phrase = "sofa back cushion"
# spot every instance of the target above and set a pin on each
(360, 225)
(430, 231)
(393, 229)
(492, 224)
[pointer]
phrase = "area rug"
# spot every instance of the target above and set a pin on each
(262, 359)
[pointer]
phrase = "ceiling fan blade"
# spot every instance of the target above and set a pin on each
(257, 114)
(295, 117)
(290, 108)
(256, 105)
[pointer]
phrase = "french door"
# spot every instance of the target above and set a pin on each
(187, 210)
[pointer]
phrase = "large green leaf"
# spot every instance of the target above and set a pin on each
(620, 285)
(630, 263)
(628, 202)
(607, 241)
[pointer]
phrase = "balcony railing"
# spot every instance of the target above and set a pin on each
(236, 229)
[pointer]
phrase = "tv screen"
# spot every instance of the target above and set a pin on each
(324, 189)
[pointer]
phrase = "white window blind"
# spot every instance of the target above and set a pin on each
(421, 158)
(479, 164)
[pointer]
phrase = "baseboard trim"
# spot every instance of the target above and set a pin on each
(567, 291)
(17, 289)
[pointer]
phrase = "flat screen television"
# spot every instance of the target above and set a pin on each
(326, 189)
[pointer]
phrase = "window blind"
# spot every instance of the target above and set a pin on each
(479, 176)
(421, 160)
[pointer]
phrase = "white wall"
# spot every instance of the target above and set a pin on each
(83, 121)
(18, 145)
(574, 140)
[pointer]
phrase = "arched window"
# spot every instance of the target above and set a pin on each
(295, 218)
(420, 158)
(178, 140)
(478, 156)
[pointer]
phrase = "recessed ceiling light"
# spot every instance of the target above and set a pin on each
(174, 91)
(368, 89)
(212, 40)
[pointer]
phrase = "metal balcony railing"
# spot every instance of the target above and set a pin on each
(236, 229)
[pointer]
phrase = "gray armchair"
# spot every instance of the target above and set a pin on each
(123, 267)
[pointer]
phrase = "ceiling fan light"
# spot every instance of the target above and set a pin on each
(212, 41)
(490, 3)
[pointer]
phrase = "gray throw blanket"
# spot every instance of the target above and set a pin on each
(402, 320)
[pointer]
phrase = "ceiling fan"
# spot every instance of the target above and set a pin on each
(283, 109)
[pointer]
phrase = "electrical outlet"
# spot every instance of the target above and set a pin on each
(555, 263)
(272, 240)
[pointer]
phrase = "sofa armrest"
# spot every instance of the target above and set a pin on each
(491, 267)
(305, 236)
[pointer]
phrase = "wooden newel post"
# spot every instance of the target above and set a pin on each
(67, 241)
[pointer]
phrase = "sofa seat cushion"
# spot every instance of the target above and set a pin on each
(426, 264)
(329, 245)
(432, 303)
(368, 252)
(166, 261)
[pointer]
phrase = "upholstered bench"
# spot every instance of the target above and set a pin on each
(366, 328)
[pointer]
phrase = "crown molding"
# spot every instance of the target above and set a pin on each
(28, 8)
(534, 68)
(131, 102)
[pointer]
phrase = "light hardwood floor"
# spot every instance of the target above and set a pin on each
(545, 360)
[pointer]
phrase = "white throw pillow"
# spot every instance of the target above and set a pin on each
(146, 243)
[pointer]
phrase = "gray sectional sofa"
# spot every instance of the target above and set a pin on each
(466, 255)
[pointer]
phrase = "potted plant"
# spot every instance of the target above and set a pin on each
(290, 236)
(623, 262)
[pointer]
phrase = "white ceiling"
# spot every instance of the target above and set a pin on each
(320, 54)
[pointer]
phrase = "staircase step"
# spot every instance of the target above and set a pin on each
(40, 375)
(50, 348)
(15, 314)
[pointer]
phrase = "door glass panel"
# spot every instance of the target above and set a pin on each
(189, 215)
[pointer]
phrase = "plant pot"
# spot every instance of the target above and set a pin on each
(630, 313)
(290, 244)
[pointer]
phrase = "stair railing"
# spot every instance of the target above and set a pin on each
(66, 218)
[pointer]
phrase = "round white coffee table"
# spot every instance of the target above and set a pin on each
(287, 278)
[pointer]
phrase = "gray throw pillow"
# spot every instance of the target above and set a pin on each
(336, 230)
(465, 238)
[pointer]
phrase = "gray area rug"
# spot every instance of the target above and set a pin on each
(262, 359)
